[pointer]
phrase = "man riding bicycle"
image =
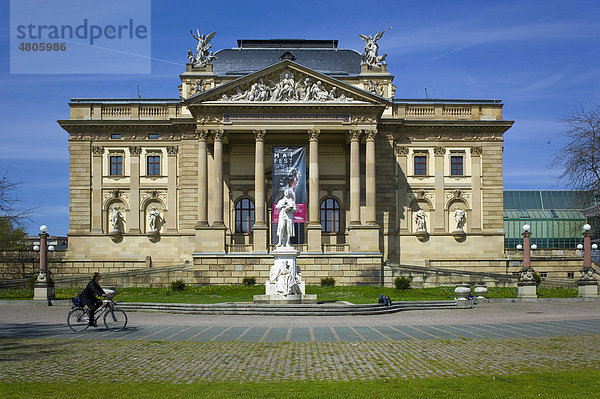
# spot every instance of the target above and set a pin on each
(88, 297)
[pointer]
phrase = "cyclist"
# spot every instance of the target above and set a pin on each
(88, 297)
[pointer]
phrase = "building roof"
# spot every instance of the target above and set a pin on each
(320, 55)
(547, 199)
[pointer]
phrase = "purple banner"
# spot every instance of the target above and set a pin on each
(289, 171)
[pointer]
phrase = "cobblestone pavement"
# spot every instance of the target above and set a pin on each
(36, 345)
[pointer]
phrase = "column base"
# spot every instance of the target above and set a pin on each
(364, 238)
(527, 291)
(210, 239)
(314, 238)
(260, 239)
(587, 289)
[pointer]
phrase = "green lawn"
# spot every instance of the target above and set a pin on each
(562, 384)
(239, 293)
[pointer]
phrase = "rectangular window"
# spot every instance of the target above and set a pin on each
(116, 165)
(570, 274)
(153, 136)
(115, 136)
(421, 165)
(153, 162)
(456, 165)
(543, 274)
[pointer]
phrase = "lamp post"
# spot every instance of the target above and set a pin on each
(526, 287)
(587, 285)
(43, 289)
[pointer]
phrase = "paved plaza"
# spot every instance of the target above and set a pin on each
(503, 338)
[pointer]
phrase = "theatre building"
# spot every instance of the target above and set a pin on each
(378, 180)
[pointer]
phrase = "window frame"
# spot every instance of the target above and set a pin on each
(240, 224)
(324, 220)
(453, 164)
(424, 164)
(120, 164)
(153, 155)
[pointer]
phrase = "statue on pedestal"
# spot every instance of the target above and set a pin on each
(285, 226)
(459, 218)
(203, 55)
(370, 56)
(287, 281)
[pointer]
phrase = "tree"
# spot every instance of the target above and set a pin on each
(580, 157)
(12, 233)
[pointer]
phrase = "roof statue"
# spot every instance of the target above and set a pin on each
(370, 57)
(203, 54)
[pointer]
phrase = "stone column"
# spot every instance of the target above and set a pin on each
(97, 189)
(354, 177)
(218, 178)
(134, 206)
(259, 230)
(402, 159)
(439, 222)
(314, 225)
(526, 287)
(172, 189)
(202, 180)
(371, 189)
(476, 189)
(259, 178)
(587, 285)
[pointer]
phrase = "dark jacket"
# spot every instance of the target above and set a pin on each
(88, 295)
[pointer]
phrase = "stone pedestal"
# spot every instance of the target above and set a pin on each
(43, 289)
(210, 239)
(259, 239)
(587, 289)
(526, 289)
(364, 238)
(285, 259)
(314, 238)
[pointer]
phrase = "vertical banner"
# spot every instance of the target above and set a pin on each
(289, 171)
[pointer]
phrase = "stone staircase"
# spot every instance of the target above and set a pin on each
(320, 309)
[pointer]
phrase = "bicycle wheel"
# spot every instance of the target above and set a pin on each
(78, 320)
(115, 319)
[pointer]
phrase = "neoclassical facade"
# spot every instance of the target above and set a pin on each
(189, 180)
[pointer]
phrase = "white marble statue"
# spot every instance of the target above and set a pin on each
(370, 56)
(154, 219)
(203, 53)
(286, 280)
(459, 219)
(285, 226)
(420, 220)
(115, 219)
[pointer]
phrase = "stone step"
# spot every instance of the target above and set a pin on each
(323, 309)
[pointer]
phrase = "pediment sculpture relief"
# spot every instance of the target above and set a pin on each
(287, 89)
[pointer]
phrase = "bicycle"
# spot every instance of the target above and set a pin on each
(114, 319)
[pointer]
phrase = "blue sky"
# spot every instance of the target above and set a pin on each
(542, 58)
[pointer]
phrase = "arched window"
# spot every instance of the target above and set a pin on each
(330, 215)
(244, 215)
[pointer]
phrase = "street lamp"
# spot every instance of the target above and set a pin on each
(526, 287)
(587, 285)
(43, 289)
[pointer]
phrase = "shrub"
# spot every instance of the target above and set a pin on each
(327, 282)
(249, 281)
(538, 278)
(177, 285)
(402, 283)
(31, 281)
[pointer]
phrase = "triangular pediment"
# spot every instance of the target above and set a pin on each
(286, 83)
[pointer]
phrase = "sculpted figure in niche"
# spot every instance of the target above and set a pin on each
(115, 219)
(287, 281)
(420, 220)
(285, 226)
(154, 219)
(459, 219)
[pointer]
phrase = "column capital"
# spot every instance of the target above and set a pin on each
(259, 134)
(354, 135)
(218, 134)
(401, 151)
(439, 151)
(476, 151)
(203, 134)
(135, 150)
(370, 135)
(97, 150)
(172, 150)
(313, 134)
